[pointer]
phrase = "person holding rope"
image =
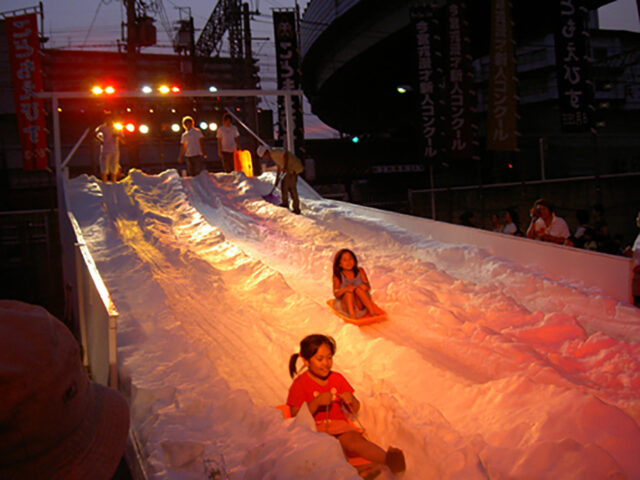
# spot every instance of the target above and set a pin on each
(326, 394)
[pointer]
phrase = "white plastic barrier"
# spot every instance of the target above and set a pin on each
(611, 273)
(97, 315)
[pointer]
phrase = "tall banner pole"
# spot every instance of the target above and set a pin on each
(502, 121)
(26, 75)
(429, 80)
(288, 75)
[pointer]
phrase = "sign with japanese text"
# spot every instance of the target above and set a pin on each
(288, 73)
(26, 75)
(502, 119)
(459, 81)
(429, 94)
(575, 90)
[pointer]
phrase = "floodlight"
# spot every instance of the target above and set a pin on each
(175, 127)
(130, 127)
(144, 129)
(213, 89)
(97, 90)
(213, 126)
(147, 89)
(118, 126)
(109, 90)
(204, 125)
(355, 139)
(164, 89)
(175, 89)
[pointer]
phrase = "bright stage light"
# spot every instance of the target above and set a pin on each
(175, 127)
(97, 90)
(213, 126)
(118, 126)
(175, 89)
(130, 127)
(203, 125)
(147, 89)
(213, 89)
(144, 129)
(355, 139)
(109, 90)
(164, 89)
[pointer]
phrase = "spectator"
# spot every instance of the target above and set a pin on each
(601, 230)
(512, 223)
(583, 227)
(467, 219)
(634, 253)
(545, 225)
(496, 225)
(54, 422)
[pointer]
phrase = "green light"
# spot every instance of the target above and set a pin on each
(355, 139)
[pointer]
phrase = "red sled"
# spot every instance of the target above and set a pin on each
(366, 469)
(366, 320)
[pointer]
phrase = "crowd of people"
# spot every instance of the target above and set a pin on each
(592, 232)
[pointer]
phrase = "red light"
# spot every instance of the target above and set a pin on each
(510, 165)
(130, 127)
(175, 89)
(109, 90)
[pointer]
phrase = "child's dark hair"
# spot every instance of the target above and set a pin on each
(309, 347)
(336, 262)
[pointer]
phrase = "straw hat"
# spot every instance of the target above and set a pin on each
(54, 422)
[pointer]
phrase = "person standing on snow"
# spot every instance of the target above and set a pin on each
(227, 136)
(109, 138)
(291, 165)
(192, 147)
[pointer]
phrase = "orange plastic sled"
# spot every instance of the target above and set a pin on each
(363, 465)
(242, 162)
(366, 320)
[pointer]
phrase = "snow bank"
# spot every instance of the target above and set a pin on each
(485, 369)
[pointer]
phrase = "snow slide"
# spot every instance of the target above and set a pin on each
(485, 369)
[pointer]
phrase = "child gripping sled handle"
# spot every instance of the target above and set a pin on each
(326, 393)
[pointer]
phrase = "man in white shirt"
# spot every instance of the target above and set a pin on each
(192, 147)
(109, 139)
(227, 136)
(545, 225)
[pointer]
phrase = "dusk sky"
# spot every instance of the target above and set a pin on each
(96, 24)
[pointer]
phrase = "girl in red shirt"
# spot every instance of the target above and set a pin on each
(326, 393)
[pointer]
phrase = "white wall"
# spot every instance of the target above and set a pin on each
(611, 273)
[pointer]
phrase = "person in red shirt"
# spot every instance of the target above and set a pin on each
(326, 393)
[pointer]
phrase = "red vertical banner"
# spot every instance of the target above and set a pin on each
(26, 75)
(501, 129)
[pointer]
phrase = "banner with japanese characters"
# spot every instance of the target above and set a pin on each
(26, 76)
(430, 78)
(460, 127)
(502, 117)
(288, 73)
(575, 89)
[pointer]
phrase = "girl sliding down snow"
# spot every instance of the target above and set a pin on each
(326, 392)
(351, 286)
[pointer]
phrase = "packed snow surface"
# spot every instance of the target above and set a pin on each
(484, 369)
